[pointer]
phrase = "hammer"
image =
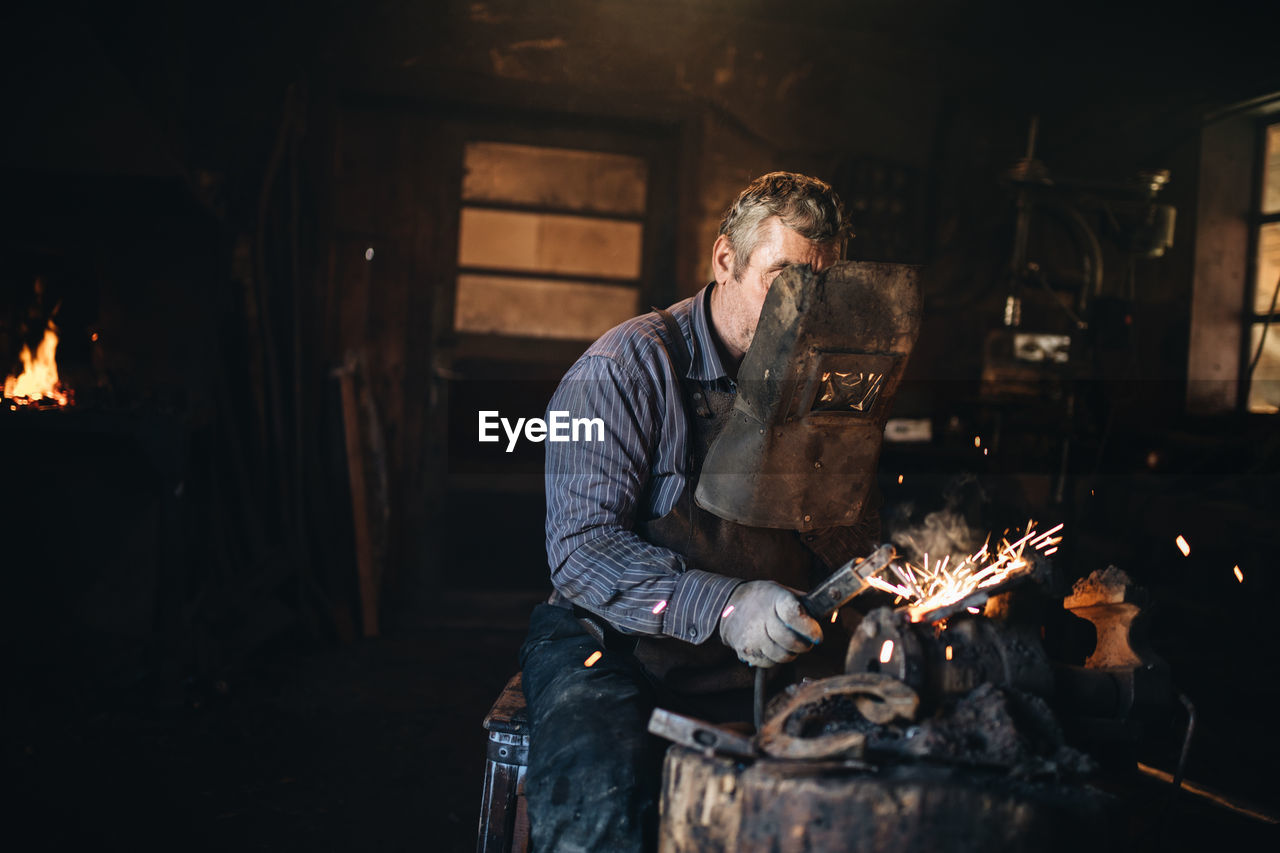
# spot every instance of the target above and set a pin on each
(842, 586)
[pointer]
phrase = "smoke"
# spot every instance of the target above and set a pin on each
(951, 530)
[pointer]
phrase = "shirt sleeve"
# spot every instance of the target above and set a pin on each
(594, 489)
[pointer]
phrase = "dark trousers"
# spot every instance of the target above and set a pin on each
(594, 771)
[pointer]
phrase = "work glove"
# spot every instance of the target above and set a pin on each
(765, 624)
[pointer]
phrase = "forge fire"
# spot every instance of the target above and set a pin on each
(37, 384)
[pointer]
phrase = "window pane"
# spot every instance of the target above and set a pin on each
(550, 243)
(1268, 266)
(1271, 172)
(1264, 389)
(540, 308)
(554, 177)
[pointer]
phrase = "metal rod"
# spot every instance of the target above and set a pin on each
(1186, 742)
(757, 704)
(1212, 796)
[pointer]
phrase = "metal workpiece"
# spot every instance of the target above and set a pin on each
(943, 662)
(814, 390)
(1123, 677)
(800, 721)
(1119, 612)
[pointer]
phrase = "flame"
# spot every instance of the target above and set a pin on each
(39, 378)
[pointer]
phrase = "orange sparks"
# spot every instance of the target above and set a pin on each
(950, 653)
(595, 656)
(886, 651)
(1183, 546)
(977, 441)
(1239, 574)
(659, 607)
(899, 479)
(931, 587)
(834, 617)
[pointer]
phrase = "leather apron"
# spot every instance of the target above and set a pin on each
(713, 544)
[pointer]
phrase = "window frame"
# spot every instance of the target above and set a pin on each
(1250, 316)
(657, 144)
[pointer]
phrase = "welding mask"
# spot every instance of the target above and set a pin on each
(801, 446)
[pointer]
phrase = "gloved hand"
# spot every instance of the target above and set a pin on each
(766, 624)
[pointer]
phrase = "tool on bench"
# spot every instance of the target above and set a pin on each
(879, 698)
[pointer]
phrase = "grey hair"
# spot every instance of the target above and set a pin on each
(806, 205)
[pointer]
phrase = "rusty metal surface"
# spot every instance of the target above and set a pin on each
(801, 446)
(806, 707)
(980, 650)
(1123, 677)
(700, 735)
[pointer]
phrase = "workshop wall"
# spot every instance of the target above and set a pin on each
(310, 135)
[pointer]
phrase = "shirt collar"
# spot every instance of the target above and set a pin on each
(705, 365)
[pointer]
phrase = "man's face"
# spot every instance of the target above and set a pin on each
(737, 299)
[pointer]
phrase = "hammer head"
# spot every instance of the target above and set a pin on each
(846, 583)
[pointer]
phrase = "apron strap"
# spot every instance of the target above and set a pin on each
(694, 398)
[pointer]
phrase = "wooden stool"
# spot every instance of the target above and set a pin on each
(504, 821)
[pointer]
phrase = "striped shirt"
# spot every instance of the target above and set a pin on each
(598, 491)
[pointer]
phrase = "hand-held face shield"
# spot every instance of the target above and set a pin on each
(814, 390)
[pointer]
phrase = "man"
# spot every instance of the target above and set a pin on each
(677, 600)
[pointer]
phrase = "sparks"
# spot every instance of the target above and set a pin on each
(1239, 574)
(834, 617)
(1183, 546)
(595, 656)
(726, 612)
(899, 479)
(977, 441)
(659, 607)
(942, 583)
(949, 653)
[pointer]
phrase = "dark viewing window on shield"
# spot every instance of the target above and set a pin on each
(847, 391)
(1264, 385)
(550, 241)
(848, 383)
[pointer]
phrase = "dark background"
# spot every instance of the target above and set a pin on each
(195, 184)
